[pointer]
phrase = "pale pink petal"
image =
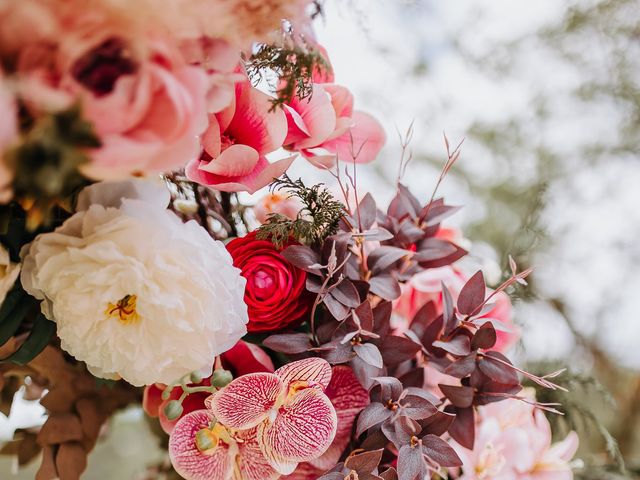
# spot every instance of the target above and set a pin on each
(313, 370)
(255, 123)
(566, 449)
(236, 161)
(348, 398)
(251, 462)
(341, 98)
(364, 141)
(310, 120)
(211, 139)
(303, 430)
(151, 399)
(189, 461)
(246, 401)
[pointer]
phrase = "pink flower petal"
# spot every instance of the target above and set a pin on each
(189, 461)
(254, 122)
(311, 120)
(246, 401)
(566, 449)
(211, 140)
(364, 140)
(314, 370)
(341, 98)
(303, 430)
(251, 462)
(236, 161)
(151, 400)
(245, 358)
(348, 398)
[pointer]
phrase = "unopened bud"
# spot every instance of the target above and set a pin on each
(221, 378)
(173, 410)
(195, 377)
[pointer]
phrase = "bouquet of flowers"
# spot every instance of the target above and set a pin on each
(308, 336)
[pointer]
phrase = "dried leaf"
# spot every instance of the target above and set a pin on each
(60, 428)
(71, 461)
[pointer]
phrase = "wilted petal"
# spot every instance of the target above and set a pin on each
(313, 370)
(246, 401)
(303, 430)
(251, 462)
(189, 461)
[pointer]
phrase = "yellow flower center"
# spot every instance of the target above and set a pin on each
(207, 439)
(124, 310)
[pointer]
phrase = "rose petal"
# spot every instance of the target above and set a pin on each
(303, 430)
(190, 462)
(246, 401)
(314, 370)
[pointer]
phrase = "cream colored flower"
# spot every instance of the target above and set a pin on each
(135, 292)
(8, 273)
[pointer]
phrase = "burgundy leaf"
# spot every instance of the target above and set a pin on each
(413, 378)
(385, 286)
(417, 407)
(485, 337)
(457, 254)
(369, 353)
(463, 367)
(365, 462)
(400, 430)
(458, 345)
(365, 372)
(336, 308)
(373, 414)
(463, 428)
(433, 249)
(302, 257)
(498, 371)
(366, 212)
(338, 352)
(396, 350)
(461, 397)
(377, 234)
(438, 423)
(404, 203)
(289, 343)
(440, 451)
(365, 315)
(424, 317)
(385, 256)
(332, 476)
(382, 317)
(472, 294)
(390, 388)
(438, 213)
(411, 464)
(346, 293)
(389, 474)
(448, 311)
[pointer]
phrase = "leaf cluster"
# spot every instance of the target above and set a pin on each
(317, 220)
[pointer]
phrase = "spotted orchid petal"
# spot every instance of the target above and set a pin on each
(348, 398)
(246, 401)
(250, 463)
(314, 370)
(302, 430)
(189, 461)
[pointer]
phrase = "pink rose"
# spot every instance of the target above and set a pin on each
(237, 141)
(513, 442)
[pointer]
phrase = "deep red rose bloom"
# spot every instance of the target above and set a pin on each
(275, 294)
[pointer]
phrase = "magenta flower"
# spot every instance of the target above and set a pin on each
(260, 426)
(237, 141)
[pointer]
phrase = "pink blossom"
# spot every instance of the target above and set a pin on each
(237, 141)
(265, 424)
(277, 202)
(324, 127)
(513, 442)
(8, 135)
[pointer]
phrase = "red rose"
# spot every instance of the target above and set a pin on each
(275, 294)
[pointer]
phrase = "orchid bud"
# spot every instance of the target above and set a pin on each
(221, 378)
(173, 410)
(196, 377)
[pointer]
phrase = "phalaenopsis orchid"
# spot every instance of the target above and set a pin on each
(327, 338)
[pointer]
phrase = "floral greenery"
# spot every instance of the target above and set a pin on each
(294, 66)
(317, 220)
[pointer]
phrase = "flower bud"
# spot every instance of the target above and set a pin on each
(195, 377)
(173, 409)
(221, 378)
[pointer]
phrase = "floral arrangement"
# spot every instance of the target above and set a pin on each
(308, 336)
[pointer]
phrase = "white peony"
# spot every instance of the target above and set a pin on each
(135, 292)
(8, 273)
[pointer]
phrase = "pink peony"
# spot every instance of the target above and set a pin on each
(261, 425)
(237, 141)
(324, 127)
(513, 442)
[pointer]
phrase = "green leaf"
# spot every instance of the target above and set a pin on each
(39, 337)
(12, 312)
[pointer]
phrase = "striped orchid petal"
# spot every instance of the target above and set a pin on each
(302, 430)
(246, 401)
(251, 464)
(189, 461)
(314, 370)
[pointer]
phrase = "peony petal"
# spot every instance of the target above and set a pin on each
(236, 161)
(190, 462)
(364, 141)
(251, 462)
(246, 401)
(314, 370)
(302, 430)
